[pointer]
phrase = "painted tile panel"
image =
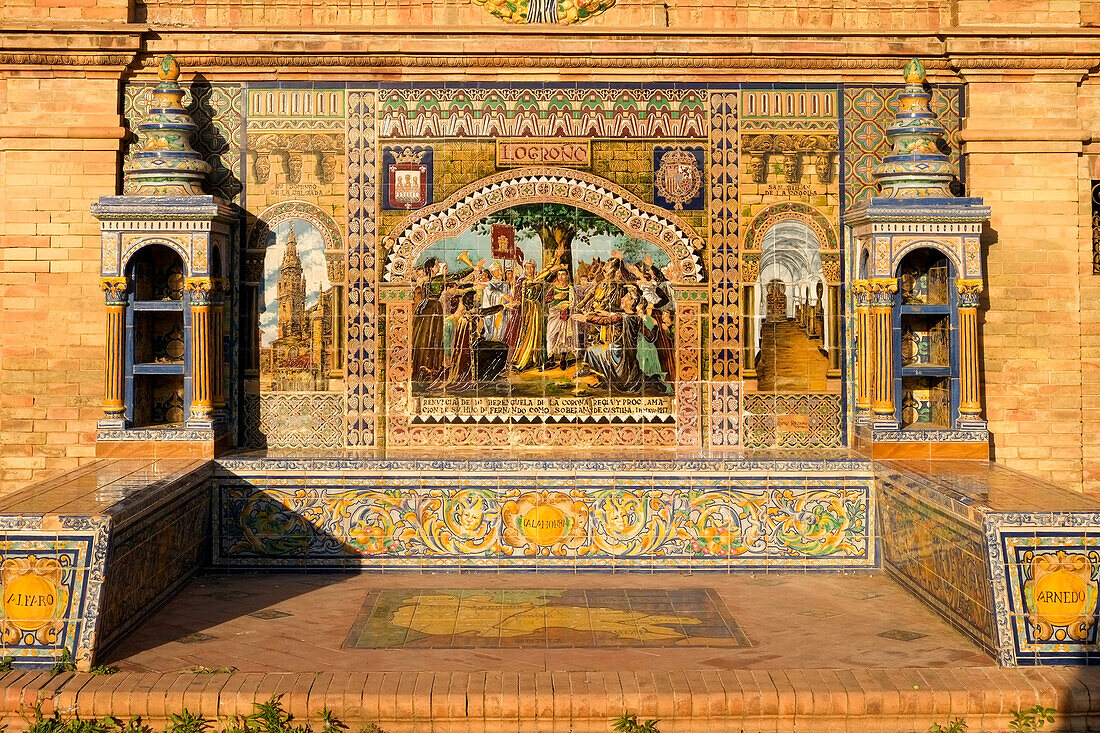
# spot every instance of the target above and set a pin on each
(581, 520)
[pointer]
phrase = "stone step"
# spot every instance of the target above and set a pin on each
(767, 701)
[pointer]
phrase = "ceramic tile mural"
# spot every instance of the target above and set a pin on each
(940, 556)
(1046, 575)
(400, 247)
(285, 513)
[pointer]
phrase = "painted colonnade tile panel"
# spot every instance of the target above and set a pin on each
(789, 204)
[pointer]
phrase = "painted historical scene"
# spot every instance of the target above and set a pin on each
(298, 344)
(543, 300)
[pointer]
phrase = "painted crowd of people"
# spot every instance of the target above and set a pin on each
(480, 324)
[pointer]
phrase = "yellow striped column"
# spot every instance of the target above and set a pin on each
(217, 344)
(861, 294)
(970, 403)
(200, 291)
(114, 405)
(882, 362)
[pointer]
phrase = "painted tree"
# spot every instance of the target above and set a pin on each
(635, 250)
(557, 225)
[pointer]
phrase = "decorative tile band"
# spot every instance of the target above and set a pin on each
(587, 520)
(938, 557)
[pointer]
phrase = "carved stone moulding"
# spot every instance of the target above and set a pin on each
(656, 60)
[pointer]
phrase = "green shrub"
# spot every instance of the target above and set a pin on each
(629, 724)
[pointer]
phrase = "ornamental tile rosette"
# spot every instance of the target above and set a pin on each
(166, 164)
(915, 167)
(562, 12)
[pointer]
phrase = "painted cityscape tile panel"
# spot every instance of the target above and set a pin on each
(297, 332)
(544, 618)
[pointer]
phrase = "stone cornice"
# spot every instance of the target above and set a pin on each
(61, 59)
(76, 45)
(867, 54)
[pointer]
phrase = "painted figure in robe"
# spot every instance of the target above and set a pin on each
(427, 322)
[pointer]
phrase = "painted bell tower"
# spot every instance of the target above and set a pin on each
(916, 279)
(165, 248)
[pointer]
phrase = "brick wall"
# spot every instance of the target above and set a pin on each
(51, 343)
(1023, 159)
(65, 10)
(1089, 108)
(1020, 12)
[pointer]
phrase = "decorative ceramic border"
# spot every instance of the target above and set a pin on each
(723, 347)
(362, 310)
(514, 521)
(527, 111)
(501, 190)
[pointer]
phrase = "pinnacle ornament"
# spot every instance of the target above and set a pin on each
(915, 167)
(166, 164)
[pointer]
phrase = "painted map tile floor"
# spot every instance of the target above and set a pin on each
(542, 621)
(554, 618)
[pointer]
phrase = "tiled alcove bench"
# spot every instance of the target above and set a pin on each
(87, 556)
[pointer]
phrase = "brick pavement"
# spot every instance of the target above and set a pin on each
(282, 622)
(818, 662)
(871, 700)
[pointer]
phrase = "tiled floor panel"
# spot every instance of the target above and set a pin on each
(542, 621)
(547, 618)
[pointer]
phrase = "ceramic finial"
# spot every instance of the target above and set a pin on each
(165, 163)
(914, 72)
(169, 68)
(915, 167)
